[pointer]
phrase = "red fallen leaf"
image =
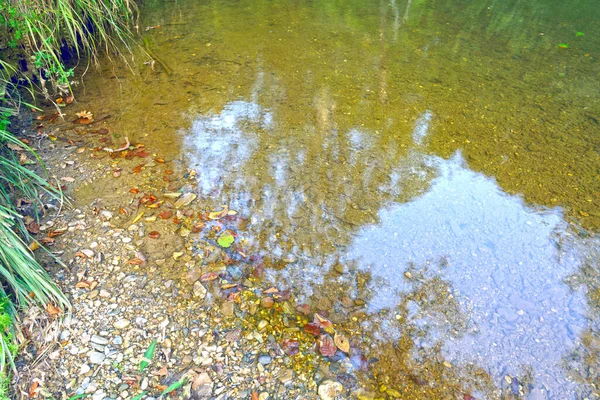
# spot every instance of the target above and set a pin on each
(165, 215)
(291, 347)
(468, 397)
(56, 232)
(197, 227)
(154, 235)
(70, 99)
(209, 276)
(326, 345)
(254, 396)
(52, 310)
(85, 121)
(33, 227)
(312, 329)
(176, 221)
(59, 100)
(134, 190)
(142, 153)
(135, 261)
(148, 198)
(137, 169)
(168, 172)
(80, 254)
(123, 211)
(33, 388)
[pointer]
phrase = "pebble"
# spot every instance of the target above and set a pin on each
(84, 369)
(227, 308)
(264, 359)
(118, 340)
(122, 323)
(97, 357)
(99, 340)
(199, 290)
(329, 389)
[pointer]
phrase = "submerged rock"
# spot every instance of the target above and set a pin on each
(329, 389)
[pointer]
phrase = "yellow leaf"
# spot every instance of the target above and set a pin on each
(342, 343)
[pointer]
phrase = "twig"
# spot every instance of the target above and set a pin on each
(124, 147)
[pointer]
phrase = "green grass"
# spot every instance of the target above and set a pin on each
(43, 29)
(50, 37)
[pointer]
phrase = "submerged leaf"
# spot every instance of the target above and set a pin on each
(342, 343)
(226, 239)
(148, 355)
(326, 346)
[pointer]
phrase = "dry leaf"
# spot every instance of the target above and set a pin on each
(33, 389)
(163, 371)
(52, 310)
(85, 115)
(209, 276)
(342, 342)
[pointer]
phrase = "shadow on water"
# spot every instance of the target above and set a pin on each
(411, 168)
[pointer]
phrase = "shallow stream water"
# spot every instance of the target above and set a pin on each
(424, 171)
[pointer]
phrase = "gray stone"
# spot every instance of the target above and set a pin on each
(122, 323)
(96, 357)
(99, 340)
(264, 359)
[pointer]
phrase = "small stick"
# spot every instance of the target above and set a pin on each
(125, 147)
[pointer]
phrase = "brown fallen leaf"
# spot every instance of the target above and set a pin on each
(271, 290)
(33, 227)
(163, 371)
(82, 285)
(254, 396)
(33, 389)
(154, 235)
(312, 329)
(52, 310)
(135, 261)
(326, 345)
(342, 342)
(56, 232)
(165, 215)
(209, 276)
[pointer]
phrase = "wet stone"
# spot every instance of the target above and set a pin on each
(193, 275)
(328, 390)
(264, 359)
